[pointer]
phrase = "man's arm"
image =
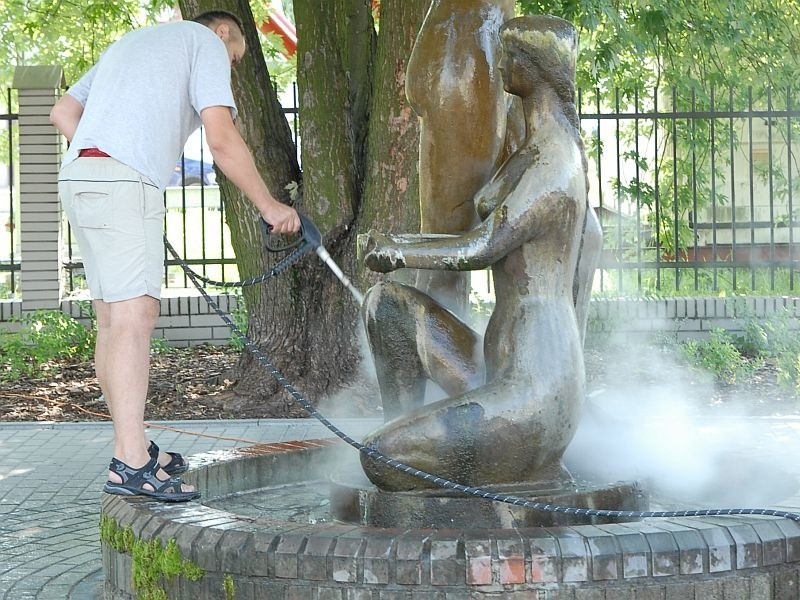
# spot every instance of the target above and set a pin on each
(234, 158)
(65, 115)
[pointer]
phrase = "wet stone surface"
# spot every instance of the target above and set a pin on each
(298, 550)
(302, 503)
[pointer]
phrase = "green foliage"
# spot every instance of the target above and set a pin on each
(772, 340)
(282, 70)
(671, 280)
(160, 346)
(48, 335)
(68, 34)
(119, 538)
(663, 43)
(229, 588)
(73, 35)
(240, 317)
(5, 291)
(683, 56)
(792, 369)
(44, 335)
(151, 562)
(719, 355)
(689, 173)
(775, 339)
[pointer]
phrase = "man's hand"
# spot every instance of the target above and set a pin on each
(282, 218)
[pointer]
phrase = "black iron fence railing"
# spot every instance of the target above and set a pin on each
(9, 204)
(696, 192)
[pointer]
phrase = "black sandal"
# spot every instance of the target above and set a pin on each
(134, 481)
(175, 466)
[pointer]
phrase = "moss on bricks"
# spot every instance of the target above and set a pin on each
(152, 563)
(229, 588)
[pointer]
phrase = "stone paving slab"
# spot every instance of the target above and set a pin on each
(51, 476)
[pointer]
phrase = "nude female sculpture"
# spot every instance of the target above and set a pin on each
(454, 85)
(515, 402)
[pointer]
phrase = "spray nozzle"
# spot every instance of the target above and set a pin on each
(311, 239)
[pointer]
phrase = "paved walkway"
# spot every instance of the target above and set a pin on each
(51, 476)
(50, 481)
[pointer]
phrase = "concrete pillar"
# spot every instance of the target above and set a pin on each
(40, 213)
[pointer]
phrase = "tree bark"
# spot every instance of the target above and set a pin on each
(392, 178)
(359, 143)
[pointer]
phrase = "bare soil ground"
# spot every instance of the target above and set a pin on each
(198, 383)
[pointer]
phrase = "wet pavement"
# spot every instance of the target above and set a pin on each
(51, 476)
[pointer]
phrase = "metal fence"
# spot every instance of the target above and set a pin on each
(9, 205)
(695, 191)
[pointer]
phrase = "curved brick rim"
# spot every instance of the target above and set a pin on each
(730, 558)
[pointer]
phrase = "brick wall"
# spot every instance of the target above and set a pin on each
(188, 320)
(184, 320)
(743, 557)
(686, 317)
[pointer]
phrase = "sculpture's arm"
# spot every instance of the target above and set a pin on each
(501, 232)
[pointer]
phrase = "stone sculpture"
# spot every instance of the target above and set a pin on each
(454, 85)
(515, 397)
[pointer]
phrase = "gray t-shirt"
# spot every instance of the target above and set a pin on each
(144, 96)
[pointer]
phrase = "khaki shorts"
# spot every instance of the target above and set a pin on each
(117, 216)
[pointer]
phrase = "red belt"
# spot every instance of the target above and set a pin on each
(93, 152)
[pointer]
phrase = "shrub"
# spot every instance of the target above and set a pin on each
(777, 341)
(719, 355)
(45, 335)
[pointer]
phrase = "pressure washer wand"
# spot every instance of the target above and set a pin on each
(310, 237)
(326, 258)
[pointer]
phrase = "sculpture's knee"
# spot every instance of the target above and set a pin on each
(387, 313)
(380, 298)
(392, 335)
(442, 441)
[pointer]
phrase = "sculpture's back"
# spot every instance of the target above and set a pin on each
(454, 85)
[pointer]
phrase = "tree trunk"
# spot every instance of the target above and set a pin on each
(359, 148)
(392, 182)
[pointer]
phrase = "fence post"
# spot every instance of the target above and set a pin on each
(39, 160)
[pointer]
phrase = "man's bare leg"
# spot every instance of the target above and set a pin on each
(122, 359)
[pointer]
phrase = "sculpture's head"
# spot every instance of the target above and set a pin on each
(539, 49)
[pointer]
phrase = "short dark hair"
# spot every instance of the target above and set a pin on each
(210, 17)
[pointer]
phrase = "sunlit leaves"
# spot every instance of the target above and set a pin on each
(66, 33)
(682, 42)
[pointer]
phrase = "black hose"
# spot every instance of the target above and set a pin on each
(309, 239)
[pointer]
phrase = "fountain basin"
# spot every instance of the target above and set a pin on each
(281, 554)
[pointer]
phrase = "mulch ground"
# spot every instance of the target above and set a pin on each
(185, 384)
(199, 383)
